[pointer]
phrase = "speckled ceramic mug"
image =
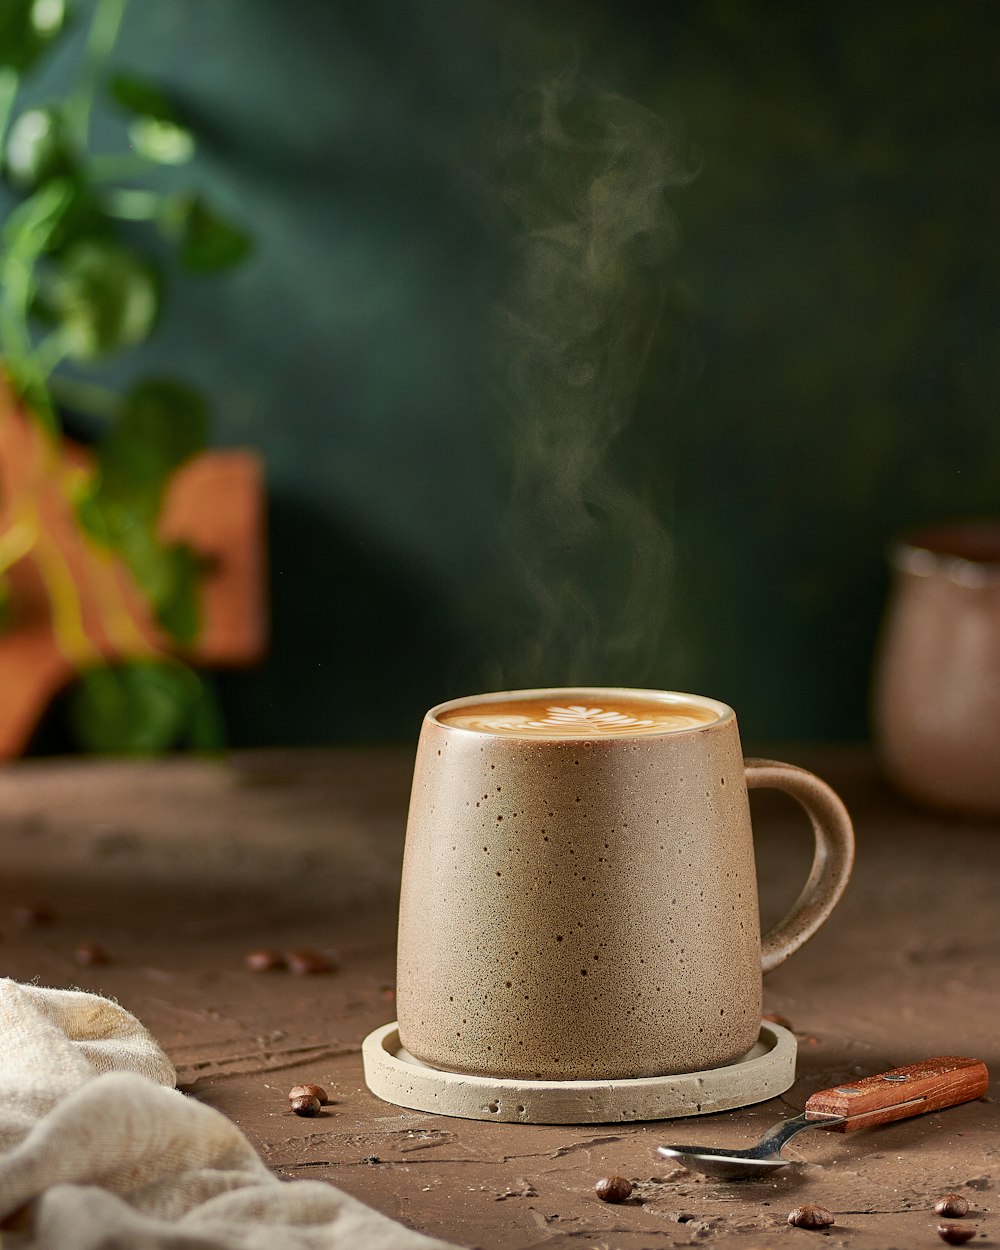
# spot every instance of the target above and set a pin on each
(579, 897)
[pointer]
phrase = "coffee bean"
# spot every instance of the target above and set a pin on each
(952, 1206)
(613, 1188)
(89, 954)
(310, 962)
(810, 1216)
(955, 1234)
(265, 961)
(308, 1091)
(33, 915)
(305, 1106)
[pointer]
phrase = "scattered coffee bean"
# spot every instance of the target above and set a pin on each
(33, 915)
(955, 1234)
(306, 1105)
(613, 1188)
(810, 1216)
(308, 1091)
(89, 954)
(952, 1206)
(309, 962)
(775, 1018)
(265, 961)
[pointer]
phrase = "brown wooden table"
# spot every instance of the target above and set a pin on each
(180, 868)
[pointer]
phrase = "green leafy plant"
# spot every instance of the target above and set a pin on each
(82, 279)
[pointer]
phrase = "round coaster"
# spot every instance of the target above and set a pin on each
(395, 1076)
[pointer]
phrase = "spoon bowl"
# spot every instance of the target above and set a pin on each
(930, 1085)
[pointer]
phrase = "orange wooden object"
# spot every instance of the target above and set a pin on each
(929, 1085)
(215, 503)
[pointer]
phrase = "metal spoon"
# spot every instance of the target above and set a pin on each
(929, 1085)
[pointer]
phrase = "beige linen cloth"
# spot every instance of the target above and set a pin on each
(98, 1151)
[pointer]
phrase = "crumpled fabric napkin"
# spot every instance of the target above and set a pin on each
(98, 1151)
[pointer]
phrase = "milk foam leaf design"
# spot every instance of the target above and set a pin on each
(574, 719)
(578, 717)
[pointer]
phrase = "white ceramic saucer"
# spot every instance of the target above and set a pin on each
(395, 1076)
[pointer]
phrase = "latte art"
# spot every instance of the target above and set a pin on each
(613, 718)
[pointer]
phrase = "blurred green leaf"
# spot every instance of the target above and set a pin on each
(206, 729)
(38, 149)
(162, 423)
(92, 516)
(62, 264)
(82, 218)
(162, 142)
(26, 233)
(30, 225)
(142, 708)
(27, 28)
(140, 95)
(7, 606)
(105, 296)
(177, 604)
(133, 708)
(207, 241)
(155, 131)
(168, 576)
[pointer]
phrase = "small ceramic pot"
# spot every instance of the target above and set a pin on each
(937, 680)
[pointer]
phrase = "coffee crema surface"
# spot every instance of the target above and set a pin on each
(578, 716)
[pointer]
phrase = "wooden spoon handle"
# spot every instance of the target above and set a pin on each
(929, 1085)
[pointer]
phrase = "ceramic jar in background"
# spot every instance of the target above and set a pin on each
(937, 679)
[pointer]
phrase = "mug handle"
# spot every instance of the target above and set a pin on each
(831, 866)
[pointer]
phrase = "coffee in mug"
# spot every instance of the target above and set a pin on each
(541, 717)
(579, 896)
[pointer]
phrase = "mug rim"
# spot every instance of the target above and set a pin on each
(723, 711)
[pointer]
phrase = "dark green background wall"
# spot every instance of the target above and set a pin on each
(826, 371)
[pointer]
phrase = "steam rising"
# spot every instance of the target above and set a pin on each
(586, 177)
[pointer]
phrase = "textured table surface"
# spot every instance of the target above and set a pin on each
(181, 868)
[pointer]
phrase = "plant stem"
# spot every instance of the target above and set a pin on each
(9, 82)
(15, 275)
(30, 227)
(128, 204)
(67, 611)
(111, 166)
(17, 541)
(50, 352)
(101, 39)
(88, 398)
